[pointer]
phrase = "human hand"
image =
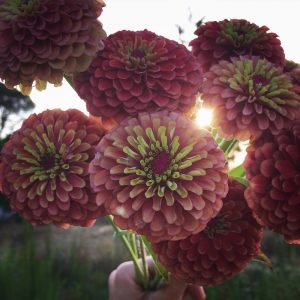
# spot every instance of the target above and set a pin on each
(123, 286)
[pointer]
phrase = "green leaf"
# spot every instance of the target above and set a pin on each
(241, 180)
(238, 171)
(263, 258)
(227, 146)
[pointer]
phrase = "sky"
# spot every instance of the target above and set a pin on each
(162, 16)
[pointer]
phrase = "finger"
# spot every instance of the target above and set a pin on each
(195, 291)
(112, 285)
(123, 284)
(125, 274)
(174, 290)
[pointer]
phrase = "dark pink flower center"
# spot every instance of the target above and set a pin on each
(259, 79)
(160, 163)
(48, 161)
(138, 53)
(217, 225)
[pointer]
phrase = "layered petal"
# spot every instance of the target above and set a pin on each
(249, 96)
(139, 72)
(43, 39)
(272, 168)
(221, 40)
(45, 168)
(222, 250)
(161, 175)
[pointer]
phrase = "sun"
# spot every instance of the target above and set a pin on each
(204, 117)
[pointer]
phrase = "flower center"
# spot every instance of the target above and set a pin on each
(261, 82)
(218, 225)
(259, 79)
(138, 53)
(10, 9)
(160, 163)
(239, 34)
(44, 161)
(48, 161)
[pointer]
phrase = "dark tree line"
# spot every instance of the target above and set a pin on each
(13, 104)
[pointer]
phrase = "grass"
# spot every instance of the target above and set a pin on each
(24, 275)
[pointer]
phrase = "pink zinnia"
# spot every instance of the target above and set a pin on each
(137, 72)
(160, 175)
(272, 168)
(45, 167)
(292, 70)
(230, 38)
(43, 39)
(249, 96)
(222, 250)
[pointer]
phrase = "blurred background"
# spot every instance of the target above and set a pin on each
(47, 263)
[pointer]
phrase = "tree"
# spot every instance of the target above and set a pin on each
(12, 104)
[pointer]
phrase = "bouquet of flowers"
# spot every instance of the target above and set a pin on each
(140, 159)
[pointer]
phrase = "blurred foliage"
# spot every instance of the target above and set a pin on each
(258, 282)
(27, 275)
(4, 206)
(12, 104)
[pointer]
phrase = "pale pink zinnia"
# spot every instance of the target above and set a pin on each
(160, 175)
(249, 96)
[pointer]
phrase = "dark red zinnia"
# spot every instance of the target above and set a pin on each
(273, 170)
(222, 250)
(45, 168)
(229, 38)
(43, 39)
(137, 72)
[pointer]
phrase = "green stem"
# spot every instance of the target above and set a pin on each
(227, 146)
(144, 262)
(132, 240)
(231, 146)
(158, 266)
(139, 273)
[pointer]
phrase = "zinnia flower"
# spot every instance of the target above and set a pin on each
(249, 96)
(292, 69)
(43, 39)
(229, 38)
(219, 252)
(45, 166)
(139, 72)
(272, 168)
(160, 175)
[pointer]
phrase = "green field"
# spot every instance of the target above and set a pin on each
(24, 275)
